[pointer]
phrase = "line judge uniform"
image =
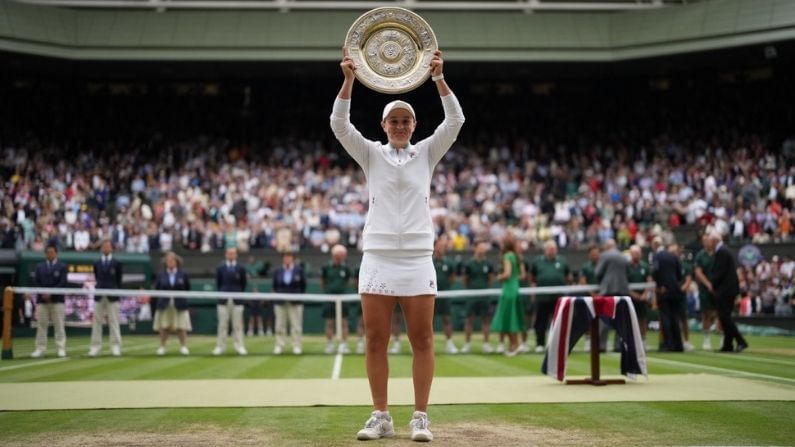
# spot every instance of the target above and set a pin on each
(50, 307)
(172, 313)
(230, 277)
(289, 280)
(108, 274)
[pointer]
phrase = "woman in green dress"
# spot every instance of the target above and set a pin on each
(509, 315)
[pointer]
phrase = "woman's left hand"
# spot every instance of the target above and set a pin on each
(437, 63)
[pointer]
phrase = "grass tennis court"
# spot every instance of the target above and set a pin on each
(770, 361)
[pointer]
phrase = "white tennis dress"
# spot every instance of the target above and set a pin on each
(398, 233)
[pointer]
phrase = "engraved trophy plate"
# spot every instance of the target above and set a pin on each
(392, 49)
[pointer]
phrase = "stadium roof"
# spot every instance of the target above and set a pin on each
(288, 5)
(116, 33)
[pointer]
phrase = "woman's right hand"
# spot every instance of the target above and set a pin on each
(347, 65)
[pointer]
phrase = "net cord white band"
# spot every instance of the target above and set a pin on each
(306, 297)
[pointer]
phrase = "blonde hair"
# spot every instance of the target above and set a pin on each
(176, 257)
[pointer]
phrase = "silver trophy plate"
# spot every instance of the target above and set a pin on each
(392, 49)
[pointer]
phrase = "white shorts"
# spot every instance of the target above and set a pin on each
(401, 275)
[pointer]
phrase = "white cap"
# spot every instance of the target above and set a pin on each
(398, 105)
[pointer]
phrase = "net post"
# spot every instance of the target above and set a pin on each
(595, 346)
(8, 311)
(338, 317)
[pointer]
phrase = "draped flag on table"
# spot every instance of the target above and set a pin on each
(572, 319)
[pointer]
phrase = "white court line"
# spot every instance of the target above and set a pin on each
(335, 372)
(760, 359)
(76, 348)
(48, 361)
(715, 368)
(68, 348)
(72, 348)
(135, 347)
(33, 363)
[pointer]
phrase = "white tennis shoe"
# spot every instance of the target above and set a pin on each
(450, 347)
(378, 426)
(419, 427)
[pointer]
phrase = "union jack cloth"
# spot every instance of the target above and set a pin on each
(572, 319)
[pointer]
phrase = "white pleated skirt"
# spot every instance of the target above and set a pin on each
(397, 274)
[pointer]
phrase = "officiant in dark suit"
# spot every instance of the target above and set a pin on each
(725, 285)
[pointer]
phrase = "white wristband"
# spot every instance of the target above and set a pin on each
(437, 78)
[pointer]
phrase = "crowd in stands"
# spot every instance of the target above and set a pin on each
(217, 198)
(559, 168)
(768, 287)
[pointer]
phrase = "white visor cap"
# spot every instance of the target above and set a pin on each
(398, 105)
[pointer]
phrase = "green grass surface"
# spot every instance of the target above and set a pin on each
(770, 359)
(649, 423)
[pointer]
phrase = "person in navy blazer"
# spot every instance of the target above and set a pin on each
(50, 273)
(667, 273)
(172, 313)
(725, 285)
(230, 277)
(108, 274)
(288, 278)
